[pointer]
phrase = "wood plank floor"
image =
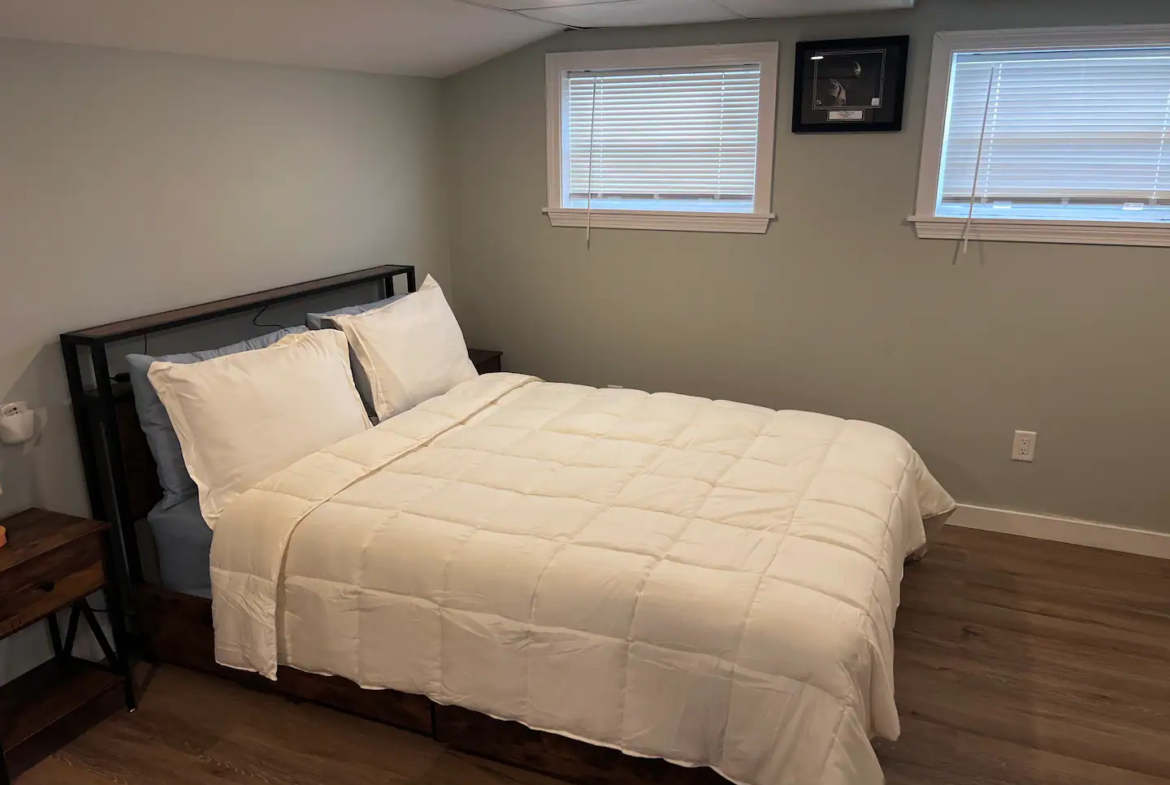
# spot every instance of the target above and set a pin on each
(1018, 662)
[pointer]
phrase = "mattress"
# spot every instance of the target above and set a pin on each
(701, 581)
(183, 542)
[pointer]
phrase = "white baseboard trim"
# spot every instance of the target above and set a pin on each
(1071, 530)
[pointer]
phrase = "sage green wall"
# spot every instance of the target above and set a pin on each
(839, 308)
(131, 183)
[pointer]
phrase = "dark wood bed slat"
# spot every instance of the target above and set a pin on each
(142, 325)
(179, 631)
(560, 756)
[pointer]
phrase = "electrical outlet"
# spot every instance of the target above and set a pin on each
(1024, 446)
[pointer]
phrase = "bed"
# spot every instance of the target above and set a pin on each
(583, 581)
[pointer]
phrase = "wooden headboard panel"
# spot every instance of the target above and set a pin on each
(141, 471)
(120, 473)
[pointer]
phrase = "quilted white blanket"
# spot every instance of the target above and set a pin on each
(702, 581)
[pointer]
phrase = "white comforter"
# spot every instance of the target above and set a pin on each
(702, 581)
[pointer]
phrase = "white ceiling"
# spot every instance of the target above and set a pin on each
(410, 37)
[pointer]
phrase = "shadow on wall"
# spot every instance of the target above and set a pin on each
(958, 474)
(43, 472)
(46, 471)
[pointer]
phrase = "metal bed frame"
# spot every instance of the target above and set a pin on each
(112, 497)
(174, 628)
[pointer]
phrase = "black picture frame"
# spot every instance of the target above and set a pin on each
(850, 85)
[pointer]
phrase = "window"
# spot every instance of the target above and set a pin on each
(677, 138)
(1049, 136)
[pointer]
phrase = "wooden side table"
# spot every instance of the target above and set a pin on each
(485, 360)
(54, 561)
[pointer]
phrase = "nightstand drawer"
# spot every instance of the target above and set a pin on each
(48, 582)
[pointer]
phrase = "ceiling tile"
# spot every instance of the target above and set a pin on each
(412, 37)
(632, 13)
(759, 9)
(417, 37)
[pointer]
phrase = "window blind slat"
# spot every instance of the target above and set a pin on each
(687, 136)
(1076, 135)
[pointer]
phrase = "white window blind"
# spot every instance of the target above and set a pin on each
(678, 139)
(1070, 135)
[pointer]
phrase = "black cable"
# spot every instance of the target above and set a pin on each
(256, 320)
(146, 341)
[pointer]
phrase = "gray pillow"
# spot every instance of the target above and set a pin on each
(184, 547)
(176, 484)
(323, 321)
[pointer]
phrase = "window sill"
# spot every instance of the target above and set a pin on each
(1024, 231)
(744, 223)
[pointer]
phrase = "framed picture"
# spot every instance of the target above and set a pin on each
(850, 85)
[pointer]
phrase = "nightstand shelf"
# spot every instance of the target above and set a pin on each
(53, 562)
(52, 703)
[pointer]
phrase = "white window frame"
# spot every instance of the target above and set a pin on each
(766, 54)
(946, 45)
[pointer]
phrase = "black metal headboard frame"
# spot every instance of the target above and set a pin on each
(107, 427)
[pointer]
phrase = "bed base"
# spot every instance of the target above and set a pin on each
(177, 629)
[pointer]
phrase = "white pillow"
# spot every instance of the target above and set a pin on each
(243, 417)
(410, 350)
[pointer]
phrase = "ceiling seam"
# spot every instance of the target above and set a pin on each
(729, 10)
(521, 11)
(575, 5)
(511, 11)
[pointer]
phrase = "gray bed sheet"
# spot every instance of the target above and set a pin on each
(183, 541)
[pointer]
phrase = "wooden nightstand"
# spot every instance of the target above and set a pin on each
(486, 361)
(51, 562)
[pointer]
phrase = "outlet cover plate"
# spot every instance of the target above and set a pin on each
(1024, 446)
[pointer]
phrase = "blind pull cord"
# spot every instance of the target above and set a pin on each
(978, 161)
(589, 185)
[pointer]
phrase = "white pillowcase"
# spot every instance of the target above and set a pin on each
(243, 417)
(411, 350)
